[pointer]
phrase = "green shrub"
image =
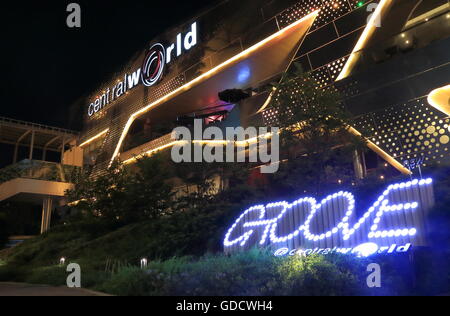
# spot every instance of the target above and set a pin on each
(107, 251)
(245, 274)
(98, 241)
(10, 273)
(128, 282)
(251, 273)
(61, 241)
(254, 273)
(316, 276)
(53, 275)
(57, 276)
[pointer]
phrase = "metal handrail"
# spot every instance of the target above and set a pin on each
(37, 126)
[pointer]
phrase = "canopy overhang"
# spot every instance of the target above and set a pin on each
(19, 133)
(440, 99)
(259, 63)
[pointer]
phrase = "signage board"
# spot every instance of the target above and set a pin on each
(152, 70)
(394, 223)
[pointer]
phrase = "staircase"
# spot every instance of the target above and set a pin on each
(33, 177)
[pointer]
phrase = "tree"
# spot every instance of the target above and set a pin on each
(148, 191)
(123, 194)
(103, 196)
(315, 143)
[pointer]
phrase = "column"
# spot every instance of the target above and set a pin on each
(359, 165)
(63, 147)
(31, 146)
(47, 206)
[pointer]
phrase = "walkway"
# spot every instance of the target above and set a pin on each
(19, 289)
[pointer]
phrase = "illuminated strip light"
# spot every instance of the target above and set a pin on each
(244, 143)
(204, 76)
(240, 143)
(440, 99)
(150, 152)
(392, 161)
(428, 15)
(94, 138)
(268, 101)
(212, 142)
(75, 203)
(368, 32)
(389, 159)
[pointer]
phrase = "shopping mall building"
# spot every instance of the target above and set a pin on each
(389, 59)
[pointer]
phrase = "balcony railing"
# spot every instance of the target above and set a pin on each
(38, 170)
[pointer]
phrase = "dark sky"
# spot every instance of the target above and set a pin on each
(45, 66)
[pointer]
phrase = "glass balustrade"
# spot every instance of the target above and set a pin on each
(38, 170)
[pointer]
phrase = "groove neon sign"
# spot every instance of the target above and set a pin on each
(396, 217)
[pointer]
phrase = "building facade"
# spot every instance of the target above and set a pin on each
(388, 59)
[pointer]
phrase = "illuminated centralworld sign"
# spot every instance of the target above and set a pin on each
(152, 70)
(393, 224)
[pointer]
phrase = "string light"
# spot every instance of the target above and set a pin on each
(341, 198)
(255, 218)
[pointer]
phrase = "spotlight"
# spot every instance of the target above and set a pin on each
(233, 95)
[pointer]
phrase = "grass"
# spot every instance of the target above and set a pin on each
(101, 245)
(253, 273)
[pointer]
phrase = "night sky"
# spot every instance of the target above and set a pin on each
(46, 66)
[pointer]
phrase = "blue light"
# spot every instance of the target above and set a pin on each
(255, 220)
(244, 74)
(281, 252)
(362, 251)
(366, 250)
